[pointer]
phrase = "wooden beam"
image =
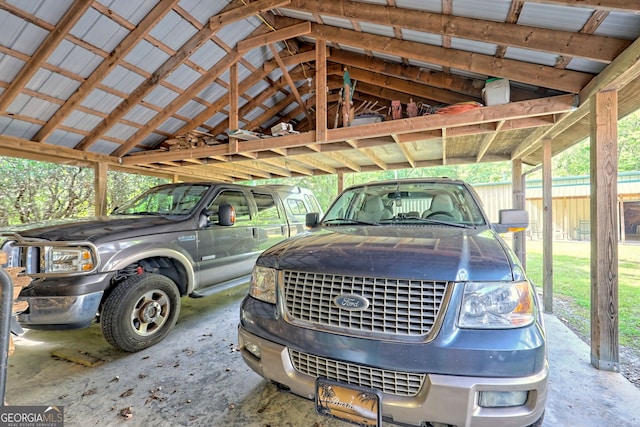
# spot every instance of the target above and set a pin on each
(615, 76)
(290, 82)
(105, 67)
(622, 71)
(613, 5)
(213, 73)
(410, 73)
(180, 56)
(48, 45)
(243, 11)
(530, 108)
(412, 127)
(596, 48)
(604, 231)
(54, 153)
(488, 140)
(296, 30)
(547, 227)
(518, 202)
(534, 74)
(233, 96)
(411, 89)
(321, 89)
(405, 151)
(100, 188)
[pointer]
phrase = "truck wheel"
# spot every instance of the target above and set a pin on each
(140, 312)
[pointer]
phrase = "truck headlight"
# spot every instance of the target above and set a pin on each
(496, 305)
(69, 260)
(263, 284)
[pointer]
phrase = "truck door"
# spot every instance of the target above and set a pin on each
(227, 252)
(270, 221)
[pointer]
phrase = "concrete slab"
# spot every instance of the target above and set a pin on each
(581, 395)
(197, 377)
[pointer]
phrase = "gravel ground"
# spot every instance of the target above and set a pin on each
(629, 357)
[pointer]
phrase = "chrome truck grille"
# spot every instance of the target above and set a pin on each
(390, 382)
(397, 309)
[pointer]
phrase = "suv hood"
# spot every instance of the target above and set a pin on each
(93, 229)
(430, 253)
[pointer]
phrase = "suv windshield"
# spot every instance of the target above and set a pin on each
(406, 202)
(165, 200)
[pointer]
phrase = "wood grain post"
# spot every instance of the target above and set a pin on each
(604, 231)
(547, 227)
(519, 238)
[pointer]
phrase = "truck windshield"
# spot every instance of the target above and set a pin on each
(165, 200)
(406, 203)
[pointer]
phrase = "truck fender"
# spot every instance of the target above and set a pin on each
(134, 254)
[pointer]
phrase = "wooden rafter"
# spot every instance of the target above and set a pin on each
(290, 82)
(596, 48)
(56, 35)
(564, 80)
(105, 67)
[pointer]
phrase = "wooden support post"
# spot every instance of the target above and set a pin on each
(233, 106)
(623, 234)
(547, 227)
(321, 90)
(100, 188)
(604, 231)
(340, 182)
(519, 238)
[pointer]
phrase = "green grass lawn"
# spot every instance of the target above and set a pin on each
(572, 281)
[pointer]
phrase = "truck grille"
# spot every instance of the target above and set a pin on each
(397, 307)
(390, 382)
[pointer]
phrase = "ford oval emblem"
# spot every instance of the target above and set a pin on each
(351, 302)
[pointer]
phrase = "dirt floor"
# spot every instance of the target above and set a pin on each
(194, 377)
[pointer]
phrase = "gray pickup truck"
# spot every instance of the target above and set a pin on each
(403, 305)
(128, 270)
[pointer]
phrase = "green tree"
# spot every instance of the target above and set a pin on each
(122, 186)
(36, 191)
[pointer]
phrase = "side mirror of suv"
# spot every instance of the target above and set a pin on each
(312, 219)
(512, 220)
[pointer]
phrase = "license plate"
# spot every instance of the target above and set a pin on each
(354, 404)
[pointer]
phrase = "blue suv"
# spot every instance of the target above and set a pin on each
(403, 305)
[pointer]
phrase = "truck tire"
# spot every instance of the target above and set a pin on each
(140, 312)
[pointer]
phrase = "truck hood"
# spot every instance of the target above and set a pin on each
(423, 252)
(94, 229)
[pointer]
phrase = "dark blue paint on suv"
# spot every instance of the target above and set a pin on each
(406, 290)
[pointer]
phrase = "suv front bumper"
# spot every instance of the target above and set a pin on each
(443, 399)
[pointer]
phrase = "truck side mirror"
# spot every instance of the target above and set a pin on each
(226, 215)
(512, 220)
(312, 219)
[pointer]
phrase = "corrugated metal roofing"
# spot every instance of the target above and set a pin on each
(113, 79)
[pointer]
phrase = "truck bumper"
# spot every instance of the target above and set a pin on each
(445, 399)
(60, 312)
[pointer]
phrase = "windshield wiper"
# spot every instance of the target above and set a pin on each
(346, 221)
(441, 222)
(136, 213)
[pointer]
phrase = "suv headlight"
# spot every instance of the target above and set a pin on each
(69, 259)
(263, 284)
(496, 305)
